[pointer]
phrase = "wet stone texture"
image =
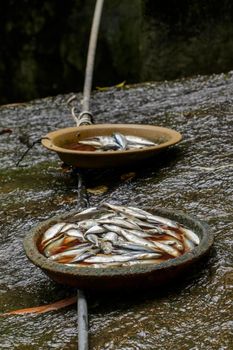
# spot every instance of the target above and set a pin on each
(195, 177)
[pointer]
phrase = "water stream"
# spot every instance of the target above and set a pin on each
(195, 177)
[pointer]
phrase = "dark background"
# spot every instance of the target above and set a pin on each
(44, 43)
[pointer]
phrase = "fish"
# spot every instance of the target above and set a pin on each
(140, 233)
(161, 220)
(71, 253)
(118, 258)
(92, 210)
(106, 247)
(92, 238)
(114, 235)
(53, 246)
(91, 142)
(49, 241)
(129, 236)
(95, 229)
(139, 141)
(188, 244)
(107, 216)
(109, 143)
(119, 230)
(142, 224)
(110, 236)
(101, 142)
(154, 231)
(85, 225)
(52, 231)
(116, 141)
(82, 257)
(77, 245)
(124, 210)
(119, 264)
(154, 218)
(120, 140)
(193, 237)
(72, 232)
(177, 244)
(134, 247)
(145, 262)
(84, 215)
(167, 249)
(65, 243)
(167, 231)
(134, 146)
(119, 222)
(68, 227)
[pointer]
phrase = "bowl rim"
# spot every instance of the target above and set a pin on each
(38, 259)
(48, 140)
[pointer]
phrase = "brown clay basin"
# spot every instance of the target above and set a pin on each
(58, 141)
(113, 278)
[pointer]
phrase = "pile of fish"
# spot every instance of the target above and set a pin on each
(112, 235)
(116, 142)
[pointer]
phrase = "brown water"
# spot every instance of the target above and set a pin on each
(195, 177)
(79, 147)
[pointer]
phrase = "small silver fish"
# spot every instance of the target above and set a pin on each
(134, 247)
(120, 140)
(95, 229)
(118, 222)
(145, 262)
(109, 143)
(129, 236)
(110, 236)
(167, 231)
(177, 244)
(86, 224)
(69, 226)
(124, 210)
(135, 140)
(107, 216)
(113, 235)
(188, 244)
(72, 252)
(92, 238)
(106, 247)
(167, 249)
(74, 233)
(51, 248)
(154, 218)
(52, 231)
(83, 256)
(154, 231)
(142, 224)
(92, 210)
(190, 235)
(119, 230)
(140, 233)
(99, 259)
(77, 246)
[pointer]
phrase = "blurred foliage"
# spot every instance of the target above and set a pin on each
(44, 43)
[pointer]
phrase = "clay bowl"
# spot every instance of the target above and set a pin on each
(58, 140)
(113, 278)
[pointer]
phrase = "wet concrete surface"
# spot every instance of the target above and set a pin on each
(195, 177)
